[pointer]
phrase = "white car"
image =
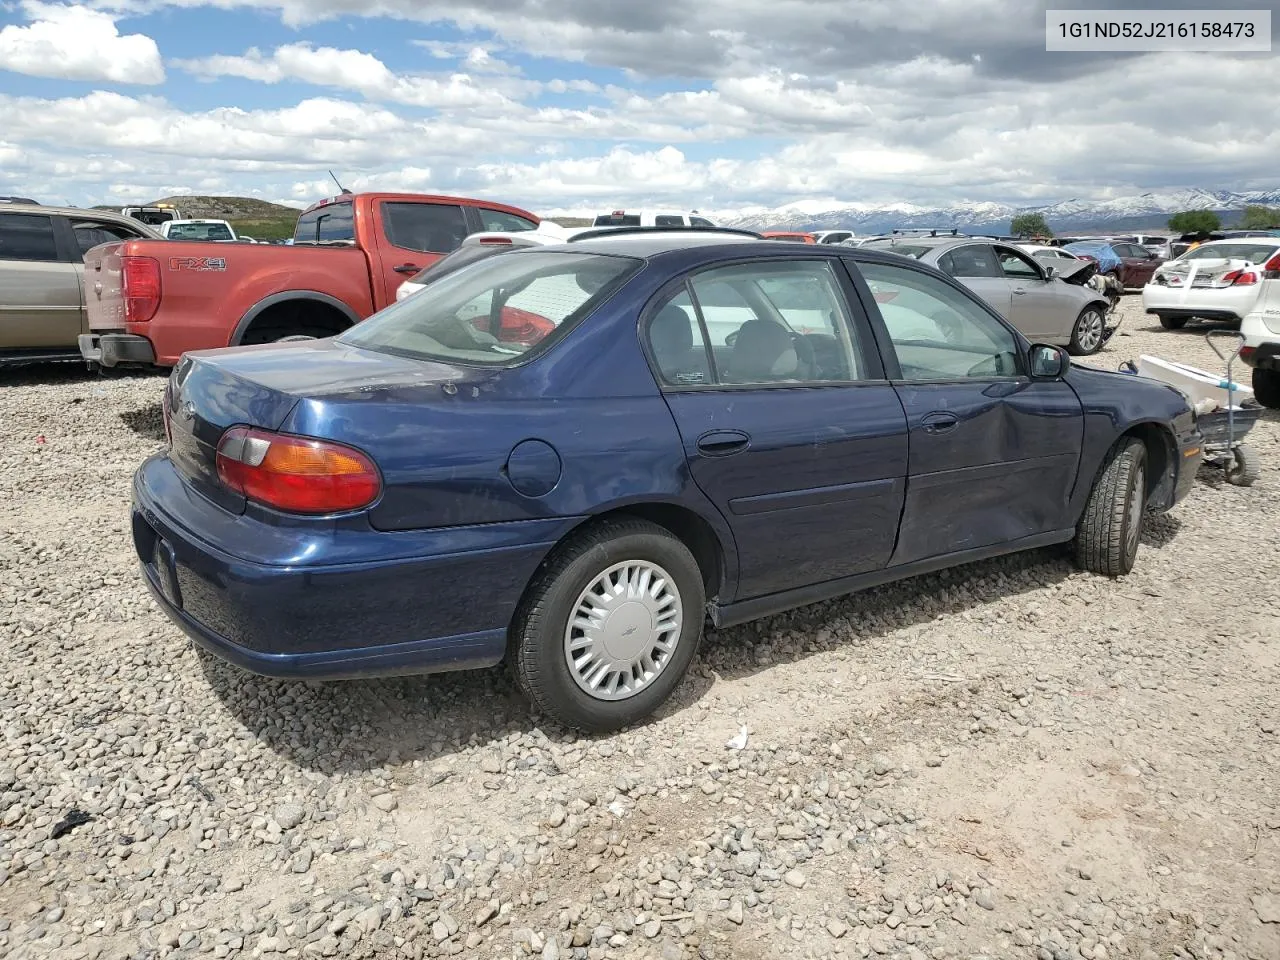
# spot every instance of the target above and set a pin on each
(651, 218)
(831, 236)
(1261, 331)
(210, 231)
(1046, 253)
(1219, 280)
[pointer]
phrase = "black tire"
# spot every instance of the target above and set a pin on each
(1107, 536)
(1245, 467)
(1171, 323)
(1266, 387)
(1089, 333)
(538, 632)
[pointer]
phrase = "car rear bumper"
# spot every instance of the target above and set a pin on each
(1223, 303)
(116, 349)
(437, 611)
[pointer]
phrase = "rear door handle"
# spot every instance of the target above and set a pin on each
(407, 268)
(1019, 291)
(940, 423)
(723, 443)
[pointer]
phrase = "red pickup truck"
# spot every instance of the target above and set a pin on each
(150, 301)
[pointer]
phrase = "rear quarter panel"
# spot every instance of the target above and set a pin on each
(205, 289)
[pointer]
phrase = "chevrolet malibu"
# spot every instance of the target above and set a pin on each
(572, 457)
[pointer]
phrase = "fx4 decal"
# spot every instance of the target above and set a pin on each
(198, 264)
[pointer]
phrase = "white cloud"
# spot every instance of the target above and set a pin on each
(76, 43)
(352, 70)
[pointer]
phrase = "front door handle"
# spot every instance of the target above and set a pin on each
(1019, 291)
(940, 423)
(407, 268)
(723, 443)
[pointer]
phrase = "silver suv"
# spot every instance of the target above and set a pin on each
(42, 277)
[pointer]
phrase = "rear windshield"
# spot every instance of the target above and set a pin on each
(913, 250)
(617, 220)
(495, 310)
(152, 218)
(331, 224)
(199, 231)
(1253, 252)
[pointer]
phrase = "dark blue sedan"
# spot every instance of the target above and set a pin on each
(573, 456)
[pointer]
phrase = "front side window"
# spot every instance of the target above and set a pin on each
(26, 236)
(496, 310)
(777, 322)
(1016, 266)
(504, 222)
(939, 332)
(425, 227)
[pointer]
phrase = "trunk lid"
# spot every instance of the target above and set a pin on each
(352, 396)
(1196, 274)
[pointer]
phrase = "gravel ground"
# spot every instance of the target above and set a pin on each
(1013, 759)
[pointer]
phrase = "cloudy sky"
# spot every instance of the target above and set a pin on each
(583, 104)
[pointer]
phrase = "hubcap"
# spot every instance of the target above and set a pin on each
(623, 630)
(1137, 487)
(1089, 335)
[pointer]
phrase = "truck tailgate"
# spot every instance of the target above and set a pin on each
(104, 301)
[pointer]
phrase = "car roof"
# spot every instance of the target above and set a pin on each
(110, 216)
(1236, 241)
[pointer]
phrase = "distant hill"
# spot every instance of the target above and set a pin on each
(248, 215)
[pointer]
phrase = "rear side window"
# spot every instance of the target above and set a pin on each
(25, 236)
(505, 222)
(972, 261)
(331, 223)
(425, 227)
(89, 234)
(667, 220)
(701, 222)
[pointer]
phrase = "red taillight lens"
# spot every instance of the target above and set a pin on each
(1240, 278)
(496, 240)
(1272, 265)
(140, 288)
(296, 474)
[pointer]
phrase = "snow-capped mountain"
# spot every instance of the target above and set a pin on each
(1148, 210)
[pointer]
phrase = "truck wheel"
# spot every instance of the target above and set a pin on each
(1107, 536)
(1171, 323)
(610, 626)
(1266, 387)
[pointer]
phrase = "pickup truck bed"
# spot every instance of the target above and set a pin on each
(150, 301)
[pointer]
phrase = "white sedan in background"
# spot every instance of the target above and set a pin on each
(1219, 280)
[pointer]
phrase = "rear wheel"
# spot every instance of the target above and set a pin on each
(1107, 536)
(1086, 335)
(610, 626)
(1266, 387)
(1171, 323)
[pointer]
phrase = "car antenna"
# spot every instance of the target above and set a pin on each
(343, 190)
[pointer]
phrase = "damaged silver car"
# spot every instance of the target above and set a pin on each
(1048, 302)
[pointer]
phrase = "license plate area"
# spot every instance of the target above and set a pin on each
(158, 558)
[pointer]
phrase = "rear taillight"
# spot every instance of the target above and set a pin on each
(1272, 266)
(1240, 278)
(296, 474)
(140, 288)
(496, 240)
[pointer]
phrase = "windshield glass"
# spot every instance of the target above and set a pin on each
(494, 311)
(199, 231)
(1253, 252)
(905, 248)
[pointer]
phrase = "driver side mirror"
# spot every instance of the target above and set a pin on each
(1050, 272)
(1049, 363)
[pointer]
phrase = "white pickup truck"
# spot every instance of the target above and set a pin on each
(213, 231)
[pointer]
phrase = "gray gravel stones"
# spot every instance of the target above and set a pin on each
(1013, 760)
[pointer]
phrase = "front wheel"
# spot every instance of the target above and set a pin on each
(1171, 323)
(1087, 334)
(610, 626)
(1266, 387)
(1107, 536)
